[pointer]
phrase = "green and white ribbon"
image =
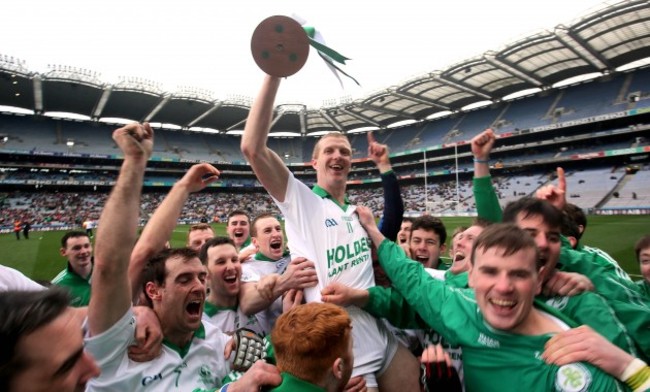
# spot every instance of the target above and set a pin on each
(329, 55)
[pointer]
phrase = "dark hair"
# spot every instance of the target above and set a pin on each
(260, 216)
(642, 243)
(235, 213)
(72, 234)
(407, 219)
(430, 223)
(212, 242)
(531, 206)
(22, 313)
(569, 227)
(577, 215)
(508, 237)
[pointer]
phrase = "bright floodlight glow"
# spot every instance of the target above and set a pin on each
(115, 120)
(70, 143)
(439, 114)
(204, 130)
(15, 110)
(522, 93)
(284, 134)
(235, 132)
(476, 105)
(67, 116)
(401, 123)
(165, 126)
(634, 64)
(363, 129)
(577, 79)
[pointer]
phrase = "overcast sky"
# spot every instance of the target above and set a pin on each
(206, 44)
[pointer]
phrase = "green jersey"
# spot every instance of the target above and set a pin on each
(645, 287)
(493, 360)
(78, 287)
(294, 384)
(587, 308)
(627, 300)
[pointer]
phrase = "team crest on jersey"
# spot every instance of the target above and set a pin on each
(205, 375)
(573, 377)
(558, 303)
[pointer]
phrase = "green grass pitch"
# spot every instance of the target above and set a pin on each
(39, 256)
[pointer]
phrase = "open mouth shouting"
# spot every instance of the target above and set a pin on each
(423, 259)
(458, 257)
(194, 309)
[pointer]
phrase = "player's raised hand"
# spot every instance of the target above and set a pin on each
(378, 153)
(482, 144)
(199, 176)
(555, 195)
(135, 140)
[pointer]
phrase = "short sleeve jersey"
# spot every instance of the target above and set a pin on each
(198, 367)
(231, 319)
(258, 267)
(329, 234)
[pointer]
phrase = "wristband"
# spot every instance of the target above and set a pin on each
(481, 160)
(636, 375)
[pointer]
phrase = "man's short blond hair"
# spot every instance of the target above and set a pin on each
(339, 135)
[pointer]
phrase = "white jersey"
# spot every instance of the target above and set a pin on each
(258, 267)
(11, 279)
(200, 366)
(231, 319)
(330, 235)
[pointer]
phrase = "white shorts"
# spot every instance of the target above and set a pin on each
(374, 346)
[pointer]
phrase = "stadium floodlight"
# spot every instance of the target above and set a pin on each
(440, 114)
(70, 143)
(363, 129)
(401, 123)
(476, 105)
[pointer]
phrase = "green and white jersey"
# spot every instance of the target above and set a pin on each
(631, 305)
(586, 308)
(231, 319)
(493, 360)
(78, 287)
(198, 367)
(330, 234)
(258, 267)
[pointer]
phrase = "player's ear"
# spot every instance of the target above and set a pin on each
(153, 291)
(337, 368)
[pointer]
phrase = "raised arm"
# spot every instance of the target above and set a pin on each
(111, 294)
(163, 221)
(267, 165)
(393, 213)
(487, 202)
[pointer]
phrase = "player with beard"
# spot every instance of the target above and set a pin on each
(192, 355)
(78, 251)
(322, 227)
